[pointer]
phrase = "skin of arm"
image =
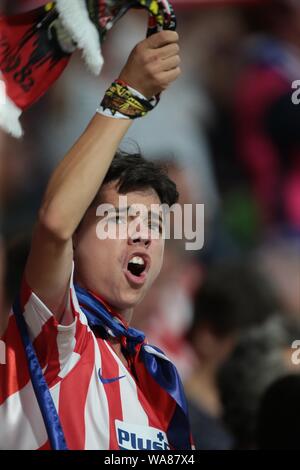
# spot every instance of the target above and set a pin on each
(151, 67)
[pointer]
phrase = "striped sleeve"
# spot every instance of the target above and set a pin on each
(58, 345)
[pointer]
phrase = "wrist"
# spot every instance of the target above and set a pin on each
(137, 89)
(133, 90)
(122, 101)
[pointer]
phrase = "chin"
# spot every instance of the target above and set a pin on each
(130, 300)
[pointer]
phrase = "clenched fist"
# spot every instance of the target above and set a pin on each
(153, 64)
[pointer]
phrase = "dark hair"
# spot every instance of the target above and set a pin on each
(133, 172)
(232, 297)
(278, 427)
(254, 365)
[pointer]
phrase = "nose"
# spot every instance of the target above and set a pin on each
(140, 237)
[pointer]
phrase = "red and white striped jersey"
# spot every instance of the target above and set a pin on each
(100, 403)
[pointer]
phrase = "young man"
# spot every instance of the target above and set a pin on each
(87, 380)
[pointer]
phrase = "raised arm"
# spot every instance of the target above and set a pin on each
(151, 67)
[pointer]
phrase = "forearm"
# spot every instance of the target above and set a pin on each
(79, 176)
(151, 67)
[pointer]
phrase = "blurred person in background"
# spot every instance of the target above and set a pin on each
(252, 125)
(267, 121)
(22, 180)
(278, 415)
(232, 297)
(279, 260)
(217, 65)
(262, 355)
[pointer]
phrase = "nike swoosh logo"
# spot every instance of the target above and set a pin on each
(109, 381)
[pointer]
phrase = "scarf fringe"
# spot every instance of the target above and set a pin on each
(10, 116)
(75, 18)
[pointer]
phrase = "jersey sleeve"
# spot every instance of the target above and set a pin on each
(58, 345)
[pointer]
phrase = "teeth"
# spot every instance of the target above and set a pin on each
(137, 260)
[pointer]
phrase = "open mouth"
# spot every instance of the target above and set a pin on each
(136, 266)
(136, 269)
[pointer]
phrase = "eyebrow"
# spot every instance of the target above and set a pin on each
(122, 210)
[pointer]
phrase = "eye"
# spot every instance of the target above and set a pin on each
(155, 227)
(117, 219)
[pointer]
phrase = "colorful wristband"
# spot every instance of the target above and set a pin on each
(124, 102)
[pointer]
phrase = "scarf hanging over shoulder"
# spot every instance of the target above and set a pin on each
(156, 365)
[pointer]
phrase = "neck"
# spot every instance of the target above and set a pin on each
(126, 315)
(123, 314)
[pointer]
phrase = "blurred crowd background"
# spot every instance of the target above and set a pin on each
(228, 315)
